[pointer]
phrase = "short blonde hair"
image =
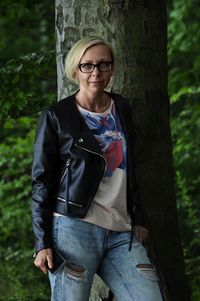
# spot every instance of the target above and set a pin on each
(75, 54)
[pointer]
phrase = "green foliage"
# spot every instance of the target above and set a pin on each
(25, 27)
(184, 89)
(185, 129)
(27, 84)
(27, 57)
(16, 240)
(19, 93)
(183, 46)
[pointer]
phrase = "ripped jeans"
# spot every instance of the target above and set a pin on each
(90, 249)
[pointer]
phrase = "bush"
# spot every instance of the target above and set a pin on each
(19, 277)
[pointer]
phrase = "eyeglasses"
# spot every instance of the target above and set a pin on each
(89, 68)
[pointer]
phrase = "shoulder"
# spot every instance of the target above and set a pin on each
(62, 104)
(117, 96)
(124, 109)
(120, 100)
(64, 110)
(121, 103)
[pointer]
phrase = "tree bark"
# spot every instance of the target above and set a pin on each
(137, 30)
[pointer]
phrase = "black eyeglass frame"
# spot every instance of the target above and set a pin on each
(96, 65)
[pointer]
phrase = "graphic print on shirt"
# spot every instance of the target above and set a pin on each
(107, 130)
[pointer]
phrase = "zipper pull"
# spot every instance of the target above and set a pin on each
(67, 162)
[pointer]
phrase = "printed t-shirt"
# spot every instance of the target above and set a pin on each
(108, 208)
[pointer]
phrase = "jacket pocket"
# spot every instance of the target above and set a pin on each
(64, 203)
(64, 182)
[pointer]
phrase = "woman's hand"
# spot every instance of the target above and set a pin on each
(141, 233)
(44, 260)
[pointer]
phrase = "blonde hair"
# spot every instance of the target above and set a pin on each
(75, 54)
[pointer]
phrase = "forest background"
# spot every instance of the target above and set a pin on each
(28, 84)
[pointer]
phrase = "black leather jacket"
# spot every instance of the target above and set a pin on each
(68, 166)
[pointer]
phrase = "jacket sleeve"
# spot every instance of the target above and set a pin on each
(137, 210)
(44, 177)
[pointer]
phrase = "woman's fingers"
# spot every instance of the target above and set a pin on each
(141, 233)
(50, 259)
(44, 260)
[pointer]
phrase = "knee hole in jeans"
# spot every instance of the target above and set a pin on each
(148, 271)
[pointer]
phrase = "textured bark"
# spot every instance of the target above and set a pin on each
(137, 30)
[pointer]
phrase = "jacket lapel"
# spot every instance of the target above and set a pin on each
(83, 136)
(85, 139)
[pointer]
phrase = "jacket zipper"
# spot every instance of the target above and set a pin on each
(67, 165)
(88, 150)
(60, 199)
(92, 152)
(71, 203)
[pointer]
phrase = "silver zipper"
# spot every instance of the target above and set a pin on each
(88, 150)
(60, 199)
(67, 163)
(74, 204)
(71, 203)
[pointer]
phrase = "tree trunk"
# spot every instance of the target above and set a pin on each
(137, 31)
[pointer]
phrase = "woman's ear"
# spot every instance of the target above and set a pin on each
(76, 77)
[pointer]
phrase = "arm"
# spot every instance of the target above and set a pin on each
(44, 178)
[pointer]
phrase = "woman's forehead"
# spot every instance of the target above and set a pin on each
(97, 51)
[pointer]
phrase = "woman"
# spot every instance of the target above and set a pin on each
(85, 200)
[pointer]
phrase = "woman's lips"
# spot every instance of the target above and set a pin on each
(96, 82)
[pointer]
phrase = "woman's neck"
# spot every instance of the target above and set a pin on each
(97, 103)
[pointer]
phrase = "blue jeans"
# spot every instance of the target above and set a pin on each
(90, 249)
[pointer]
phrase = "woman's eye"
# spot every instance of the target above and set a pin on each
(103, 65)
(87, 66)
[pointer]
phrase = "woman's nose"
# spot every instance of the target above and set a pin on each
(96, 71)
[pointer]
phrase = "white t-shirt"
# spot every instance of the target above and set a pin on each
(108, 208)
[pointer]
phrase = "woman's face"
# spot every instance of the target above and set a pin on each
(95, 81)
